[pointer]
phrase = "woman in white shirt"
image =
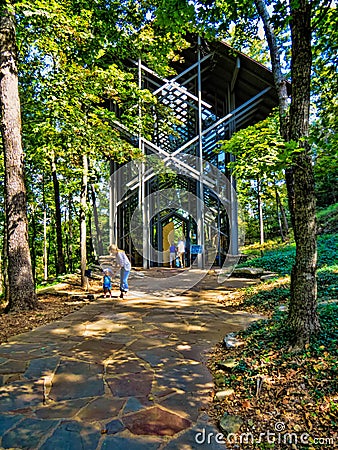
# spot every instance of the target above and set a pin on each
(123, 262)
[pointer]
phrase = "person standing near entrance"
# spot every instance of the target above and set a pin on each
(181, 251)
(123, 262)
(172, 254)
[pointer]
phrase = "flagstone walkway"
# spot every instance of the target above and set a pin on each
(117, 374)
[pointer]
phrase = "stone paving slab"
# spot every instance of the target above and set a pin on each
(20, 395)
(72, 435)
(131, 385)
(117, 374)
(61, 410)
(37, 368)
(28, 433)
(77, 379)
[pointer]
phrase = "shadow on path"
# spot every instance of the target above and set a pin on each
(118, 373)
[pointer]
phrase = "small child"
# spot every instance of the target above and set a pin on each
(106, 283)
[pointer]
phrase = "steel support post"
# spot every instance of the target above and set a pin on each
(200, 203)
(233, 248)
(142, 184)
(112, 206)
(145, 218)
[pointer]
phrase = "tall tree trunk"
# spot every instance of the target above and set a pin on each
(278, 217)
(32, 246)
(1, 272)
(285, 220)
(260, 213)
(60, 262)
(5, 262)
(83, 228)
(70, 236)
(281, 217)
(91, 249)
(45, 256)
(282, 92)
(21, 284)
(290, 187)
(97, 223)
(303, 319)
(49, 244)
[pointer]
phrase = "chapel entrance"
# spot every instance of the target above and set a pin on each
(169, 226)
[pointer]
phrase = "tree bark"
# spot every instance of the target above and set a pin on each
(260, 213)
(285, 221)
(97, 223)
(45, 256)
(60, 261)
(32, 246)
(49, 244)
(83, 227)
(2, 288)
(278, 216)
(20, 278)
(5, 260)
(303, 319)
(70, 236)
(282, 92)
(281, 216)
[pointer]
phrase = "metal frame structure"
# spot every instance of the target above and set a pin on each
(216, 92)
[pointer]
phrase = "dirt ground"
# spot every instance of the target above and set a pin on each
(69, 297)
(286, 396)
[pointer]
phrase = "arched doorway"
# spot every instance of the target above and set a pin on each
(169, 226)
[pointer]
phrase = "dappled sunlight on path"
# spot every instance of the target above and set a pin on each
(117, 372)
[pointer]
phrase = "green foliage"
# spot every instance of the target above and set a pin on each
(266, 335)
(279, 260)
(269, 299)
(328, 282)
(328, 337)
(73, 64)
(328, 219)
(272, 333)
(257, 248)
(327, 250)
(260, 157)
(259, 151)
(324, 86)
(76, 81)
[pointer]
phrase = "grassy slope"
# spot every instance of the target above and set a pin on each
(299, 387)
(279, 258)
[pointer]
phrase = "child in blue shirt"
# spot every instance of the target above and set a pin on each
(106, 283)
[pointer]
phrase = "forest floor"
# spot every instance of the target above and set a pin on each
(278, 396)
(51, 306)
(284, 399)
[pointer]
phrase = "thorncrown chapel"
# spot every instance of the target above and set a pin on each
(183, 188)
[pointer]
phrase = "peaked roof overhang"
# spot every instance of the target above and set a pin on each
(229, 73)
